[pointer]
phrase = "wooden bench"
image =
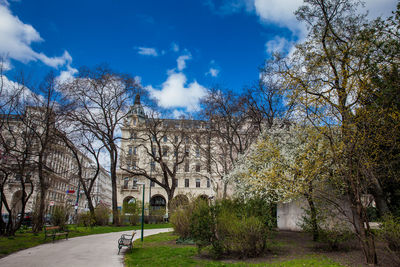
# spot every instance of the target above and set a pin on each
(125, 241)
(53, 231)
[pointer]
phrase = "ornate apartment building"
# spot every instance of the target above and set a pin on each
(175, 148)
(60, 171)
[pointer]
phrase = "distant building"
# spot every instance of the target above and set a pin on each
(60, 172)
(194, 175)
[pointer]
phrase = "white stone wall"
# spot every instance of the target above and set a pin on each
(289, 215)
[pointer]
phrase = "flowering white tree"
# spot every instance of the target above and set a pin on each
(285, 163)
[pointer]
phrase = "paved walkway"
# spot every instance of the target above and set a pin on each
(93, 250)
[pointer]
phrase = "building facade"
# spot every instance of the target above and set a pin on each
(151, 146)
(19, 170)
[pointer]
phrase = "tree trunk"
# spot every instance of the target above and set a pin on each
(114, 190)
(90, 206)
(365, 235)
(313, 215)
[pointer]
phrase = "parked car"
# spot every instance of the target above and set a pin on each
(27, 220)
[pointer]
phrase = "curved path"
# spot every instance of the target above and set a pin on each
(93, 250)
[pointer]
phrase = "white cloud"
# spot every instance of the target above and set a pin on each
(181, 61)
(175, 47)
(147, 51)
(175, 93)
(213, 72)
(67, 75)
(281, 12)
(16, 39)
(178, 114)
(10, 89)
(380, 8)
(278, 45)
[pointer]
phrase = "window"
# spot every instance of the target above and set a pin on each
(134, 164)
(152, 166)
(135, 151)
(134, 184)
(176, 139)
(186, 151)
(130, 150)
(152, 183)
(187, 166)
(176, 182)
(154, 138)
(165, 151)
(198, 167)
(197, 182)
(153, 150)
(208, 183)
(134, 121)
(165, 138)
(133, 136)
(197, 152)
(186, 182)
(126, 182)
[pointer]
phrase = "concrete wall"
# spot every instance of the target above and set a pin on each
(289, 215)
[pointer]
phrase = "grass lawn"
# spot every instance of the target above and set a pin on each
(161, 250)
(24, 239)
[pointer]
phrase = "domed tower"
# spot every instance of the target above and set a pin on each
(136, 113)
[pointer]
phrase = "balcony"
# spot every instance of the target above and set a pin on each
(129, 188)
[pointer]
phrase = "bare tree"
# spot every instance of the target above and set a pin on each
(165, 145)
(17, 144)
(231, 131)
(42, 112)
(101, 98)
(86, 161)
(265, 101)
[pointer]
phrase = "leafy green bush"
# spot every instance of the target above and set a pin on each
(245, 237)
(102, 215)
(59, 216)
(134, 219)
(228, 228)
(180, 220)
(131, 207)
(85, 219)
(202, 226)
(390, 233)
(335, 237)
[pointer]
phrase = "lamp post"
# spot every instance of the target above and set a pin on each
(142, 221)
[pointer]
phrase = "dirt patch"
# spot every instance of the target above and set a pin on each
(287, 245)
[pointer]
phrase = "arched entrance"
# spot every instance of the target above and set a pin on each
(158, 202)
(129, 205)
(178, 201)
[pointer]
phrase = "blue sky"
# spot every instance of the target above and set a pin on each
(177, 49)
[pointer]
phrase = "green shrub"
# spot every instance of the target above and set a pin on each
(85, 219)
(242, 236)
(134, 219)
(335, 237)
(59, 216)
(102, 215)
(202, 226)
(390, 233)
(227, 227)
(180, 220)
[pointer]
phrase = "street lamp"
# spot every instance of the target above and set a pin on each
(144, 185)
